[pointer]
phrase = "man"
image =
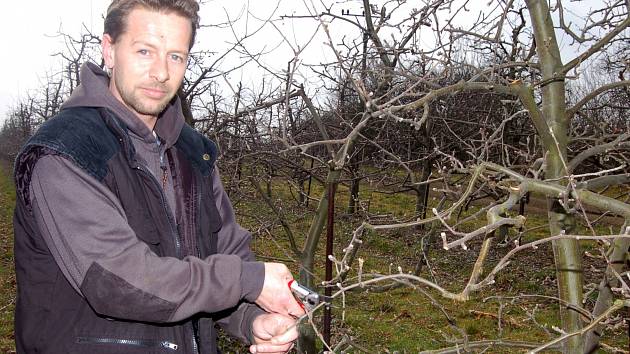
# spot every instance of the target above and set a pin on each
(125, 241)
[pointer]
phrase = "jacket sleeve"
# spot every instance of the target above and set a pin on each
(86, 231)
(233, 239)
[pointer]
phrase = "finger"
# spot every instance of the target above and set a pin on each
(287, 337)
(270, 348)
(293, 306)
(295, 309)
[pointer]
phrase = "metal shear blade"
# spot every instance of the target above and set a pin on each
(306, 297)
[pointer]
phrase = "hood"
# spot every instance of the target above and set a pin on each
(94, 92)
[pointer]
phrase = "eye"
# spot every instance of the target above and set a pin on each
(177, 58)
(143, 52)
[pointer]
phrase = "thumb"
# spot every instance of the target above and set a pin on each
(288, 335)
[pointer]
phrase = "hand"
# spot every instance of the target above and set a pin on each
(273, 333)
(276, 297)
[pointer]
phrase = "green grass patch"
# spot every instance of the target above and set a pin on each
(519, 306)
(7, 266)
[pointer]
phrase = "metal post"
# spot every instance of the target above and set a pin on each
(310, 178)
(329, 251)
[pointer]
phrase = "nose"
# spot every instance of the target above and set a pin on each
(159, 70)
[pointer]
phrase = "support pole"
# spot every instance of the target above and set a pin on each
(329, 251)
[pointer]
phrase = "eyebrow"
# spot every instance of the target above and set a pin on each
(153, 46)
(143, 42)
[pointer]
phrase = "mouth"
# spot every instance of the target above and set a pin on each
(154, 93)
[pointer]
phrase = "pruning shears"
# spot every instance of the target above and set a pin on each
(307, 298)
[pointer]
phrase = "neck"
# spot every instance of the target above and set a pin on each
(148, 120)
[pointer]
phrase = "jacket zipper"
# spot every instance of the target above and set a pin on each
(169, 216)
(162, 162)
(131, 342)
(195, 329)
(174, 233)
(163, 167)
(195, 324)
(171, 223)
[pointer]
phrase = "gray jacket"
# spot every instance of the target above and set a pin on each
(84, 226)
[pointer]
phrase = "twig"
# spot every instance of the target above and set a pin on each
(483, 344)
(618, 304)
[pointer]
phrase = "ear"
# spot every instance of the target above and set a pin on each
(108, 50)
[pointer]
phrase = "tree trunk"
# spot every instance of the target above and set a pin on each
(567, 255)
(617, 255)
(307, 338)
(315, 230)
(354, 195)
(422, 191)
(301, 192)
(268, 177)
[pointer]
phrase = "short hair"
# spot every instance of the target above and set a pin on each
(119, 10)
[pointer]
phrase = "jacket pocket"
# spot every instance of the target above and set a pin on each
(124, 344)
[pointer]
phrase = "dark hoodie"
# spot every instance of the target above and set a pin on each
(84, 224)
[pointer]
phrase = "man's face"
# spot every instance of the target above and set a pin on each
(148, 61)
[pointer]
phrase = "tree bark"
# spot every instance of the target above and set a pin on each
(566, 252)
(617, 255)
(353, 199)
(307, 338)
(422, 191)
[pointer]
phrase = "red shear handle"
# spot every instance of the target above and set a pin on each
(299, 301)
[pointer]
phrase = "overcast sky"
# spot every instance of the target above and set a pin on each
(28, 29)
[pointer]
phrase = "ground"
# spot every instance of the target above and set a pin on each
(519, 307)
(7, 273)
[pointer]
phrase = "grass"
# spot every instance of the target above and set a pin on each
(7, 268)
(412, 319)
(407, 319)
